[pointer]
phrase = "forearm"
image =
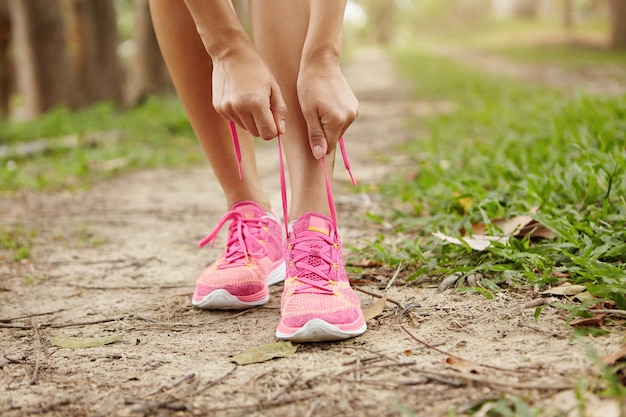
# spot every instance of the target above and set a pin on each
(324, 36)
(218, 26)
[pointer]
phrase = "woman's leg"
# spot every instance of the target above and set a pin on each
(253, 256)
(190, 68)
(279, 28)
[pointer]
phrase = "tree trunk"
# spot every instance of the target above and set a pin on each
(40, 54)
(6, 64)
(149, 74)
(568, 14)
(618, 24)
(93, 35)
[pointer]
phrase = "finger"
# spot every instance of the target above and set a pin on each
(247, 122)
(317, 137)
(278, 108)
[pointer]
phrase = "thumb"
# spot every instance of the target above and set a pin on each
(278, 108)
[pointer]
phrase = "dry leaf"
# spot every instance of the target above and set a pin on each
(462, 365)
(508, 226)
(84, 342)
(584, 297)
(535, 229)
(448, 281)
(476, 242)
(612, 358)
(375, 309)
(565, 289)
(265, 352)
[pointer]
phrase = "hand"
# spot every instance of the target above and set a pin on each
(328, 105)
(245, 92)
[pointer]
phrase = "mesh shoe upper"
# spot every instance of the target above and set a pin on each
(253, 250)
(317, 286)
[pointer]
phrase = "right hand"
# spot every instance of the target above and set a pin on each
(245, 92)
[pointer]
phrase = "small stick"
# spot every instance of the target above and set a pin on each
(539, 329)
(373, 294)
(357, 368)
(29, 316)
(393, 278)
(218, 380)
(285, 388)
(33, 380)
(621, 313)
(436, 349)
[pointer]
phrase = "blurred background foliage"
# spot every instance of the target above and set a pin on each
(87, 75)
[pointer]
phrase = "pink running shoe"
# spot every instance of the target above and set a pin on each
(252, 260)
(318, 303)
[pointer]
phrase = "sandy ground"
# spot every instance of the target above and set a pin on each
(121, 259)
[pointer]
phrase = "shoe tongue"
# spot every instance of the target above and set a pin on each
(313, 223)
(248, 209)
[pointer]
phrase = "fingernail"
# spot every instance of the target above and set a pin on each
(282, 126)
(318, 152)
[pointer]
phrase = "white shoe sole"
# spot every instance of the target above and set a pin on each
(223, 300)
(318, 330)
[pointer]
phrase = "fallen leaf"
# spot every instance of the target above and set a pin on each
(265, 352)
(508, 226)
(375, 309)
(84, 342)
(448, 281)
(535, 229)
(476, 242)
(466, 203)
(612, 358)
(462, 365)
(583, 297)
(565, 289)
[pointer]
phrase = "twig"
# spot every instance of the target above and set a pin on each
(173, 385)
(393, 278)
(436, 349)
(259, 406)
(357, 368)
(29, 316)
(33, 380)
(373, 294)
(386, 365)
(539, 329)
(87, 323)
(285, 388)
(218, 380)
(621, 313)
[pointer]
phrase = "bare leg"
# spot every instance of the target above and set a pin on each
(279, 28)
(190, 67)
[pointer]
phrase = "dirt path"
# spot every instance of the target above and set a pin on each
(125, 251)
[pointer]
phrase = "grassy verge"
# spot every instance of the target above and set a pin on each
(155, 134)
(506, 148)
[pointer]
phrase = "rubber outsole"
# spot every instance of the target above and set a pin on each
(318, 330)
(221, 299)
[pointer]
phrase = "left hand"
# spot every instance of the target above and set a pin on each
(328, 104)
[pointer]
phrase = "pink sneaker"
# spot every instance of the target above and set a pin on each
(252, 260)
(318, 303)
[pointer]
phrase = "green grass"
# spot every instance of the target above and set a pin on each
(508, 147)
(17, 241)
(156, 134)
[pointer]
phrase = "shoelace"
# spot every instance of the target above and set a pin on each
(305, 241)
(241, 230)
(283, 184)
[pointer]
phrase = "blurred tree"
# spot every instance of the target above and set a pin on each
(568, 14)
(6, 64)
(39, 45)
(92, 28)
(381, 16)
(148, 73)
(618, 24)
